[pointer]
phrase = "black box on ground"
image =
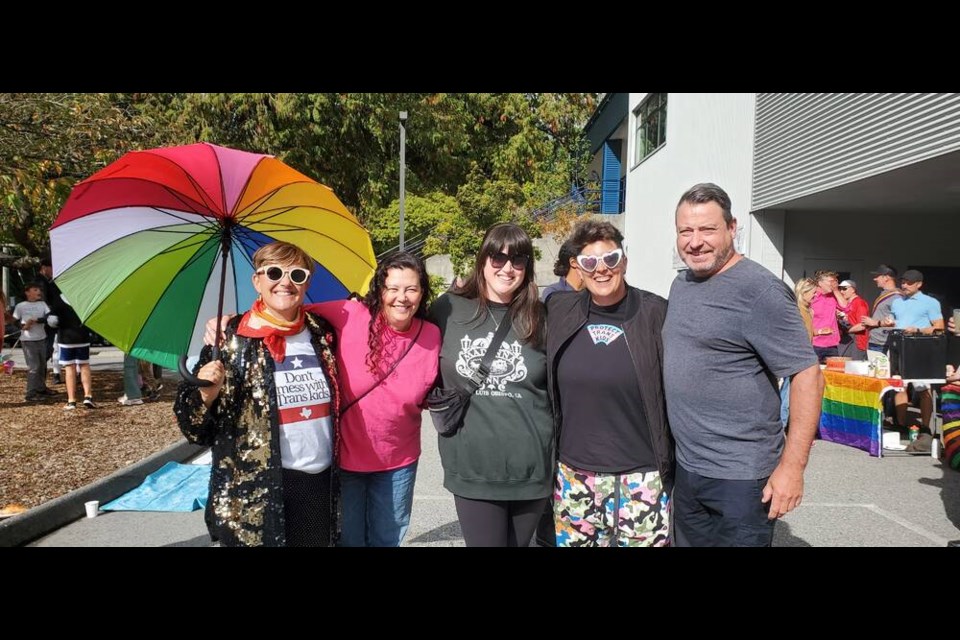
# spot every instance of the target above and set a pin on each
(918, 356)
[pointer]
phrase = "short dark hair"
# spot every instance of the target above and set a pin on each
(562, 266)
(708, 192)
(46, 261)
(33, 285)
(590, 231)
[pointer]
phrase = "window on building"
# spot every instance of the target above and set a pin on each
(651, 125)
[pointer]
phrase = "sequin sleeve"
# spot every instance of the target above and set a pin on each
(198, 424)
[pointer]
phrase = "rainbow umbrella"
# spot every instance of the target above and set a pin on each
(138, 246)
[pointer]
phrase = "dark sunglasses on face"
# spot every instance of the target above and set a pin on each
(843, 288)
(590, 263)
(298, 275)
(519, 261)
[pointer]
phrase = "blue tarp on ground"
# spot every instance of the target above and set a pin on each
(172, 487)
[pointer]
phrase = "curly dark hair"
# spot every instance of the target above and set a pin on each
(374, 300)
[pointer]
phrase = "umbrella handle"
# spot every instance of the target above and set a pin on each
(187, 375)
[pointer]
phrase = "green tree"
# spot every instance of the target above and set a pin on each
(49, 141)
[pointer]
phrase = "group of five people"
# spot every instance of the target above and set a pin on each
(605, 406)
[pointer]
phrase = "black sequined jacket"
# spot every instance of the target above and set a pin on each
(245, 505)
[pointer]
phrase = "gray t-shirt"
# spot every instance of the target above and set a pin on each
(726, 341)
(878, 336)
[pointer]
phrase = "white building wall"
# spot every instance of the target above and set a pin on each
(709, 139)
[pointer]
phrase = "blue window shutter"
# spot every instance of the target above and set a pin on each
(610, 189)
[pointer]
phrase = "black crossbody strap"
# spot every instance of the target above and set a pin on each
(476, 380)
(387, 374)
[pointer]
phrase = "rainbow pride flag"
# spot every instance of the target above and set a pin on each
(852, 412)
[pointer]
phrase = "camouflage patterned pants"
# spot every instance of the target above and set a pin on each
(585, 504)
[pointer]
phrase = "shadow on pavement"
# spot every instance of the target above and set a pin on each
(443, 533)
(199, 541)
(783, 537)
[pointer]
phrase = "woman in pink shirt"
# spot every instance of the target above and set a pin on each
(387, 355)
(826, 301)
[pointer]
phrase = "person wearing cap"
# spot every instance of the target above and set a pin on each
(915, 312)
(853, 335)
(885, 278)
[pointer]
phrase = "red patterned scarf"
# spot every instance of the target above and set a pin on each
(273, 333)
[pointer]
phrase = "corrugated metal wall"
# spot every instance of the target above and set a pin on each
(809, 142)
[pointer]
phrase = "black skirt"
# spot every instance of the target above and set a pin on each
(306, 506)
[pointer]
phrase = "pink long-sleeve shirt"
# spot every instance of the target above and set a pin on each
(382, 431)
(824, 311)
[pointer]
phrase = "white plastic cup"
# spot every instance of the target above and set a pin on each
(92, 507)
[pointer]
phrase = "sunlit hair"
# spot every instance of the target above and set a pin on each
(708, 192)
(526, 310)
(374, 300)
(824, 273)
(590, 231)
(282, 254)
(803, 287)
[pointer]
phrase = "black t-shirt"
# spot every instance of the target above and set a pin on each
(604, 427)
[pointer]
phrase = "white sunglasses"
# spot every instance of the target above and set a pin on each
(590, 263)
(298, 275)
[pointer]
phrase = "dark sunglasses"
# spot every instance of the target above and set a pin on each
(519, 261)
(843, 288)
(590, 263)
(298, 275)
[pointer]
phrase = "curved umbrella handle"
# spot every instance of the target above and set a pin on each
(187, 375)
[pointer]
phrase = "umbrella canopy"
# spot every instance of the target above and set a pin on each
(139, 247)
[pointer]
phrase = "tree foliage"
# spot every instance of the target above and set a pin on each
(472, 158)
(49, 141)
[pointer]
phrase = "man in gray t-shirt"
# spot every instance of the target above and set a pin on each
(886, 279)
(732, 329)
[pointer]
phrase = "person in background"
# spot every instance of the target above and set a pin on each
(915, 312)
(51, 295)
(74, 354)
(499, 464)
(804, 291)
(885, 277)
(604, 365)
(136, 370)
(732, 329)
(853, 334)
(271, 415)
(32, 315)
(565, 267)
(826, 301)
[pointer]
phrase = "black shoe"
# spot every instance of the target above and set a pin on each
(49, 392)
(55, 379)
(88, 403)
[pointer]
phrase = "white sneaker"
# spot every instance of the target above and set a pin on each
(127, 402)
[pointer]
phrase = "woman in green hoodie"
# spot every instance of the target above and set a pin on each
(499, 465)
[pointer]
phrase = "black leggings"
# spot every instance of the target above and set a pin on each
(306, 507)
(498, 523)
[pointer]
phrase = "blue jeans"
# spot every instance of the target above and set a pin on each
(376, 506)
(131, 377)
